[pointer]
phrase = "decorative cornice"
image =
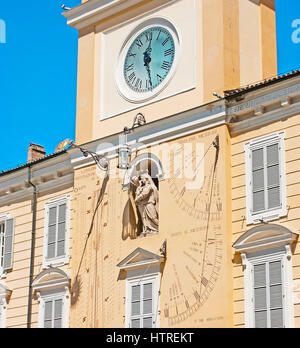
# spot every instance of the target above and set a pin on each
(269, 104)
(94, 11)
(252, 110)
(267, 98)
(256, 121)
(47, 175)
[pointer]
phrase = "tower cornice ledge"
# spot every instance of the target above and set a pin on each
(94, 11)
(157, 132)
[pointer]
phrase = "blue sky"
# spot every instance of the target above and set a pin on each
(38, 65)
(38, 73)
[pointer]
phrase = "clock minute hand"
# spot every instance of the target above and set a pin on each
(149, 74)
(147, 60)
(149, 49)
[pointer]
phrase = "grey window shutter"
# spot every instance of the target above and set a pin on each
(53, 314)
(261, 320)
(135, 323)
(8, 244)
(266, 177)
(147, 323)
(56, 238)
(258, 184)
(51, 239)
(48, 314)
(258, 158)
(276, 302)
(58, 310)
(142, 305)
(147, 300)
(260, 296)
(273, 175)
(136, 300)
(268, 296)
(61, 233)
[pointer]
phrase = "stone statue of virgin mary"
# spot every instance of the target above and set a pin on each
(146, 200)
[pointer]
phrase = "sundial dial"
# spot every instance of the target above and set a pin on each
(197, 260)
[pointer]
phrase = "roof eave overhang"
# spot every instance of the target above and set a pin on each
(94, 11)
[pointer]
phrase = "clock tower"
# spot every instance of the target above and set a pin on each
(157, 251)
(162, 57)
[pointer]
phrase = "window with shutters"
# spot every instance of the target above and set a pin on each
(265, 178)
(266, 254)
(53, 313)
(142, 303)
(268, 296)
(142, 271)
(53, 309)
(57, 221)
(268, 288)
(51, 288)
(6, 245)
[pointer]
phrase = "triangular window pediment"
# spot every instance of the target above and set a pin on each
(139, 258)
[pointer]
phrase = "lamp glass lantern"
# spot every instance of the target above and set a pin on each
(124, 156)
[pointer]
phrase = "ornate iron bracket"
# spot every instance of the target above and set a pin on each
(138, 121)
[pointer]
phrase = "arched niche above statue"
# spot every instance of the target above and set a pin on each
(141, 163)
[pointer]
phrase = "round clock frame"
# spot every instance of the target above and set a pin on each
(154, 44)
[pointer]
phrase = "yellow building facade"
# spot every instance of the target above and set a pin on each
(177, 205)
(36, 243)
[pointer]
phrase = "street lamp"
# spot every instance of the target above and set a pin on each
(124, 151)
(124, 156)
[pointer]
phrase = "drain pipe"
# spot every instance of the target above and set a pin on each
(33, 209)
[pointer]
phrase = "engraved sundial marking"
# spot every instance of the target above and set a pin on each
(201, 247)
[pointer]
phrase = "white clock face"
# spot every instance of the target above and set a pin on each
(148, 61)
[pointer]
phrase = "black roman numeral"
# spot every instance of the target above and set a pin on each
(165, 42)
(168, 52)
(149, 36)
(166, 65)
(132, 55)
(158, 35)
(138, 84)
(159, 78)
(129, 67)
(139, 43)
(132, 77)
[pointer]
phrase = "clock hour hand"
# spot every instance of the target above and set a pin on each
(147, 60)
